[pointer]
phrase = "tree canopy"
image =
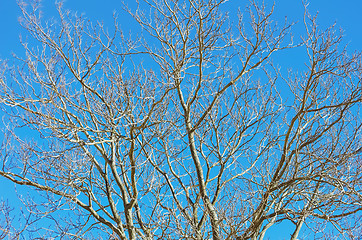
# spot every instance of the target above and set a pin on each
(187, 128)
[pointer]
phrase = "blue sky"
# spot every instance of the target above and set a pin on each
(347, 15)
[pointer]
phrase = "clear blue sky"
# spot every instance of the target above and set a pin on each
(347, 14)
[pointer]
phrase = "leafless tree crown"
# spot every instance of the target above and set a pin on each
(187, 129)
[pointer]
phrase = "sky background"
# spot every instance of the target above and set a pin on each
(346, 14)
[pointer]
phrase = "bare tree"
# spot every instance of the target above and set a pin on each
(186, 131)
